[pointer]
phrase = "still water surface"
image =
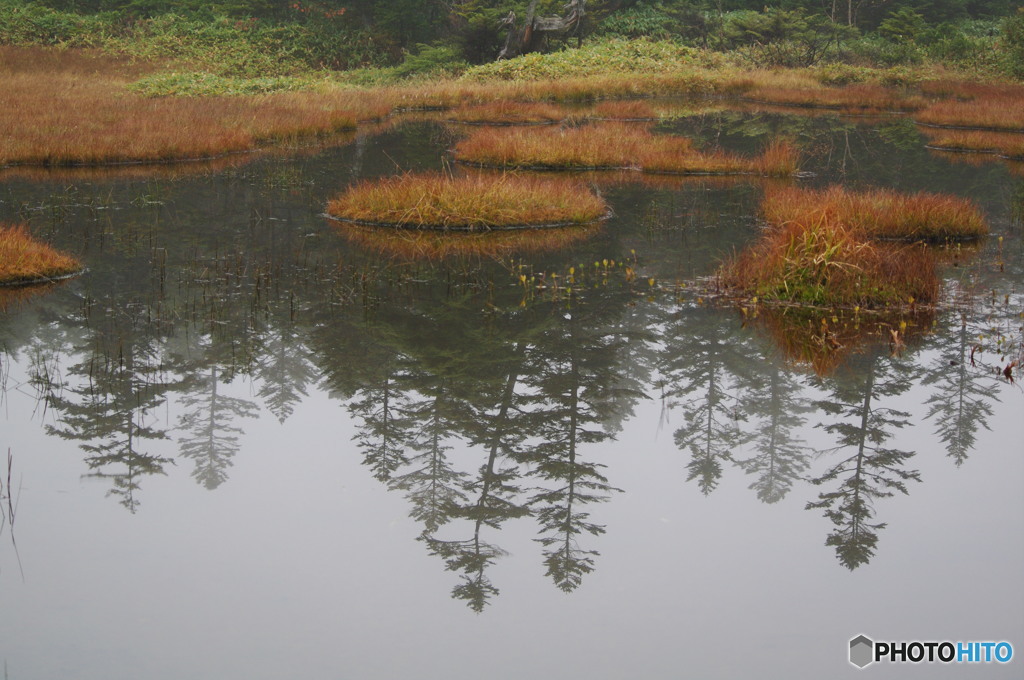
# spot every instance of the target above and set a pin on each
(250, 444)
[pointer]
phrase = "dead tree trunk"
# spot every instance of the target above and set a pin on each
(532, 34)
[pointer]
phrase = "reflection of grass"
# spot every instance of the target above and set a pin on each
(624, 110)
(432, 245)
(476, 202)
(823, 341)
(824, 262)
(879, 213)
(24, 259)
(614, 146)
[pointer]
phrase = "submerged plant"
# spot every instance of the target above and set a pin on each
(474, 202)
(23, 259)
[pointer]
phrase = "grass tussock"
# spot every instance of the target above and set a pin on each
(474, 202)
(1005, 144)
(509, 113)
(826, 263)
(23, 259)
(879, 213)
(999, 108)
(614, 146)
(855, 99)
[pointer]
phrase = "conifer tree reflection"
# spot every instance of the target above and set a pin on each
(379, 403)
(961, 403)
(432, 485)
(211, 440)
(781, 455)
(704, 354)
(573, 390)
(114, 415)
(283, 368)
(869, 469)
(496, 501)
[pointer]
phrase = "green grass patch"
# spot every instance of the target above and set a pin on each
(599, 58)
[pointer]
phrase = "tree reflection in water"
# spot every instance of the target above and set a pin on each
(483, 399)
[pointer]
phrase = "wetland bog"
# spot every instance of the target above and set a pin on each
(244, 444)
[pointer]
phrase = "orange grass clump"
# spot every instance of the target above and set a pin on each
(826, 263)
(1002, 110)
(851, 99)
(1008, 145)
(613, 146)
(509, 113)
(23, 259)
(475, 202)
(879, 213)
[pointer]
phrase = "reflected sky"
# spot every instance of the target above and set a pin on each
(244, 445)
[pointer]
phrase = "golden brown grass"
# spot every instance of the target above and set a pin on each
(614, 146)
(473, 202)
(1006, 144)
(509, 113)
(826, 263)
(989, 108)
(879, 213)
(851, 99)
(59, 115)
(23, 259)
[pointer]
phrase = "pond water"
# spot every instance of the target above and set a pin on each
(249, 443)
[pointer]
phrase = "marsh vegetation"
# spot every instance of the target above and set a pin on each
(356, 421)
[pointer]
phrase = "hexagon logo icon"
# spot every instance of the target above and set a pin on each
(861, 651)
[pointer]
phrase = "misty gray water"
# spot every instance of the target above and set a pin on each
(250, 443)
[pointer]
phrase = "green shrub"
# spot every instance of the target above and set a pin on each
(432, 60)
(875, 50)
(1013, 43)
(778, 37)
(601, 57)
